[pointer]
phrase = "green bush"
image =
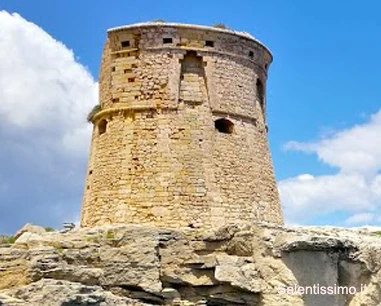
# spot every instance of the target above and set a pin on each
(7, 240)
(110, 235)
(97, 108)
(92, 239)
(221, 26)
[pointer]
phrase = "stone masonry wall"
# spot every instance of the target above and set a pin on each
(156, 155)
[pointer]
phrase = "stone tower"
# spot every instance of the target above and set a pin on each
(180, 135)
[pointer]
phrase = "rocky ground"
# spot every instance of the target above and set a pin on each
(235, 265)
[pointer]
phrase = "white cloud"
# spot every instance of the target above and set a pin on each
(362, 218)
(42, 87)
(356, 188)
(354, 150)
(45, 96)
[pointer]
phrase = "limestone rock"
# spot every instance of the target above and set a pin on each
(234, 265)
(50, 292)
(30, 228)
(27, 237)
(244, 278)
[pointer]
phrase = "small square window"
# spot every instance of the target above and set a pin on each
(209, 43)
(131, 80)
(251, 54)
(125, 43)
(167, 40)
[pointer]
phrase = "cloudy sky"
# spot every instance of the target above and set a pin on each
(324, 97)
(45, 94)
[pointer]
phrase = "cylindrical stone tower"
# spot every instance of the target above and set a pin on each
(180, 136)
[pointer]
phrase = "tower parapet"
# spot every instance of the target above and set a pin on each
(180, 137)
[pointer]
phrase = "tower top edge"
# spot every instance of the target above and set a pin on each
(160, 24)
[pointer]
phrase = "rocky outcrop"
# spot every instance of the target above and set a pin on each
(30, 229)
(235, 265)
(59, 292)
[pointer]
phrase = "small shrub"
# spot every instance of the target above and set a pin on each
(11, 240)
(56, 245)
(60, 251)
(97, 108)
(49, 229)
(378, 233)
(2, 239)
(7, 240)
(221, 26)
(91, 239)
(110, 235)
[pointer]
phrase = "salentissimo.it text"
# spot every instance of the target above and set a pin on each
(317, 289)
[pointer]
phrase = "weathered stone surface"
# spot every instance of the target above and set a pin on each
(235, 265)
(27, 237)
(30, 228)
(245, 277)
(179, 135)
(50, 292)
(13, 268)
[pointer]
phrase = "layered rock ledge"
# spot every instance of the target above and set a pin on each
(235, 265)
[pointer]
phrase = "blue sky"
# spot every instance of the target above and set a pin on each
(323, 100)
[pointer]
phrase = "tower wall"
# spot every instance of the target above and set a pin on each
(156, 154)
